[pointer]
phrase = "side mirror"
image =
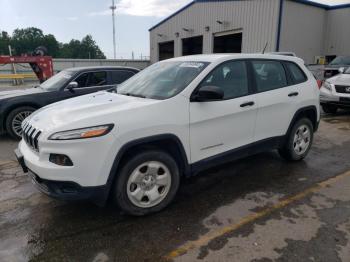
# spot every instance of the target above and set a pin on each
(72, 85)
(341, 70)
(208, 93)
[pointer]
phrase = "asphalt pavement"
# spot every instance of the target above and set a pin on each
(261, 208)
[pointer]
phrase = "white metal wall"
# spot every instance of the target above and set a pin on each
(338, 32)
(257, 19)
(303, 30)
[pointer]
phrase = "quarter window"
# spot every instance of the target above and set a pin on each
(297, 74)
(231, 77)
(269, 75)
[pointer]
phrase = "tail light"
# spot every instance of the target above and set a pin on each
(319, 83)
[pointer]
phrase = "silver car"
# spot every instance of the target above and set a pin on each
(335, 92)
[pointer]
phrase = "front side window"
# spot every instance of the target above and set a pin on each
(162, 80)
(92, 79)
(231, 77)
(298, 75)
(269, 75)
(97, 79)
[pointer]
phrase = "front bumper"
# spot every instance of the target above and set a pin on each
(328, 97)
(63, 190)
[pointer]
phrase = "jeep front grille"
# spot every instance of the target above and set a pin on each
(31, 136)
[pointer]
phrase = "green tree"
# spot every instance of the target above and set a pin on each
(4, 43)
(84, 49)
(24, 41)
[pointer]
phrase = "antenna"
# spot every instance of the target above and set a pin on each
(113, 8)
(263, 52)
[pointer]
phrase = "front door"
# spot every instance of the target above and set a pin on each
(220, 126)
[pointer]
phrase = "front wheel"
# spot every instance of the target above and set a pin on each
(299, 141)
(14, 120)
(147, 183)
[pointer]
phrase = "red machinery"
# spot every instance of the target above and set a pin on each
(41, 65)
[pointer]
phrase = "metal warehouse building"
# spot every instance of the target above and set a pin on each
(231, 26)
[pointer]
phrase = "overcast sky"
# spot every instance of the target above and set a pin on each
(68, 19)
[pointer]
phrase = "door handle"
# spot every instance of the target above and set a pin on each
(247, 104)
(293, 94)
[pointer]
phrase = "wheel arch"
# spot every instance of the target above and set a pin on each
(170, 143)
(309, 112)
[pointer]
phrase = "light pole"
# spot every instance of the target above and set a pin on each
(113, 8)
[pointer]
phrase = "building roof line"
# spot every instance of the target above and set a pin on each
(305, 2)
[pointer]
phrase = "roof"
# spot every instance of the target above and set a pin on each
(85, 68)
(305, 2)
(222, 57)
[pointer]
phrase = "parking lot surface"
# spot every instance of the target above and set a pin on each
(261, 208)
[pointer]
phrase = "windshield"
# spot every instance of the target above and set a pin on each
(341, 60)
(57, 81)
(347, 71)
(162, 80)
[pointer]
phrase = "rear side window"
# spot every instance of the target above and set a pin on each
(297, 74)
(269, 75)
(119, 76)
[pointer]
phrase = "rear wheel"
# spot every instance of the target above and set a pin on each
(330, 109)
(147, 183)
(299, 141)
(14, 120)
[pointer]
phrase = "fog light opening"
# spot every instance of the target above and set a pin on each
(61, 160)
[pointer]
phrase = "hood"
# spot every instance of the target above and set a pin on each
(335, 67)
(23, 92)
(89, 110)
(341, 79)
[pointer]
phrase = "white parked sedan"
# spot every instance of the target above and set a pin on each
(335, 92)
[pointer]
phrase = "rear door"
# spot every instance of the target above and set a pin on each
(277, 98)
(220, 126)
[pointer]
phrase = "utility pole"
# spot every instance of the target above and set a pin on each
(113, 8)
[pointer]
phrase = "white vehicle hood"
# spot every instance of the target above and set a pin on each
(92, 108)
(341, 79)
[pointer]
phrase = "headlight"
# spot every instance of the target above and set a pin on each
(82, 133)
(327, 85)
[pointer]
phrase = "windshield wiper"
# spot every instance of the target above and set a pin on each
(134, 95)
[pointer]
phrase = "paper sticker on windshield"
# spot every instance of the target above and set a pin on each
(192, 64)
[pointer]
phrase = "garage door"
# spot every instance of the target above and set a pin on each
(228, 43)
(166, 50)
(192, 45)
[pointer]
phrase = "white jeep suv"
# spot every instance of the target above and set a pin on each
(172, 120)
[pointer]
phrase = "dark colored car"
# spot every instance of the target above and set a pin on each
(16, 105)
(333, 68)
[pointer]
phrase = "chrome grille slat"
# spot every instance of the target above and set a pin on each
(31, 136)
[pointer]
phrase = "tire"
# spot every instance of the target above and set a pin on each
(296, 146)
(330, 109)
(137, 180)
(14, 120)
